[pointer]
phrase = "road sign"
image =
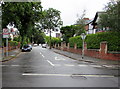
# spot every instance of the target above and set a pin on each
(5, 30)
(6, 33)
(6, 36)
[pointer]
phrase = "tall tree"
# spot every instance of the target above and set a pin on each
(111, 19)
(80, 23)
(70, 31)
(51, 19)
(23, 14)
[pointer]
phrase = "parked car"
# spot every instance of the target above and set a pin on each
(35, 45)
(27, 47)
(44, 45)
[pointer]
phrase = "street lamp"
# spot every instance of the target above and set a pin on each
(83, 38)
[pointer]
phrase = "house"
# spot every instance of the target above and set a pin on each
(93, 25)
(14, 33)
(88, 26)
(54, 32)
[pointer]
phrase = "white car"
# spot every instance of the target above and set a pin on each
(44, 45)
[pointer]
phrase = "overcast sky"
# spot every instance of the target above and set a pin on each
(70, 8)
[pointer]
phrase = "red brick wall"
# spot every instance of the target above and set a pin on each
(99, 53)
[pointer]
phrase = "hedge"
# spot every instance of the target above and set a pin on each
(53, 40)
(77, 40)
(13, 43)
(113, 39)
(93, 40)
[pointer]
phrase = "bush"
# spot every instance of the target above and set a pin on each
(113, 39)
(13, 43)
(53, 40)
(77, 40)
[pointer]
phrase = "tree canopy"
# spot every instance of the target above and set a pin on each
(111, 17)
(23, 14)
(51, 19)
(70, 31)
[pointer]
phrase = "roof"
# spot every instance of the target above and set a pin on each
(94, 21)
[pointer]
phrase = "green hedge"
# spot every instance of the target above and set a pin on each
(77, 40)
(13, 43)
(53, 40)
(113, 39)
(93, 40)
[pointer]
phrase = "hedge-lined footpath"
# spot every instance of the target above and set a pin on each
(93, 40)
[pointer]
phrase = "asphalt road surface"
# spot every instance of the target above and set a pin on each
(44, 68)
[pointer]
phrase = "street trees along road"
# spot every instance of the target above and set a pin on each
(23, 15)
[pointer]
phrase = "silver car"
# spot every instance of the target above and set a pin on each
(26, 48)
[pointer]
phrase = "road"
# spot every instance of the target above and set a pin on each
(44, 68)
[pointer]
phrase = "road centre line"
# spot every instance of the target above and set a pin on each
(42, 54)
(15, 65)
(10, 65)
(50, 63)
(67, 75)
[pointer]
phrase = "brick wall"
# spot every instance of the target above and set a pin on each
(101, 53)
(10, 47)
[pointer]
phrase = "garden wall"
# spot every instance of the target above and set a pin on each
(101, 53)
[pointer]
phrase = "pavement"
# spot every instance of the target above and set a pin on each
(87, 59)
(11, 54)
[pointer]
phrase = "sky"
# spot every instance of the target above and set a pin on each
(70, 9)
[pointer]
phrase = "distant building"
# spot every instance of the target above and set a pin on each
(93, 24)
(88, 26)
(14, 33)
(54, 32)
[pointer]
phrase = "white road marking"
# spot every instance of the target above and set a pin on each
(107, 65)
(57, 65)
(56, 58)
(68, 65)
(83, 65)
(66, 75)
(43, 56)
(10, 65)
(4, 65)
(50, 63)
(15, 65)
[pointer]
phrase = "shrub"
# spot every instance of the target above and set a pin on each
(13, 43)
(77, 40)
(53, 40)
(113, 39)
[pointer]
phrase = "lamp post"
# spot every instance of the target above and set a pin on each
(83, 36)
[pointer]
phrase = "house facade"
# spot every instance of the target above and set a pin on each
(92, 26)
(54, 32)
(88, 27)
